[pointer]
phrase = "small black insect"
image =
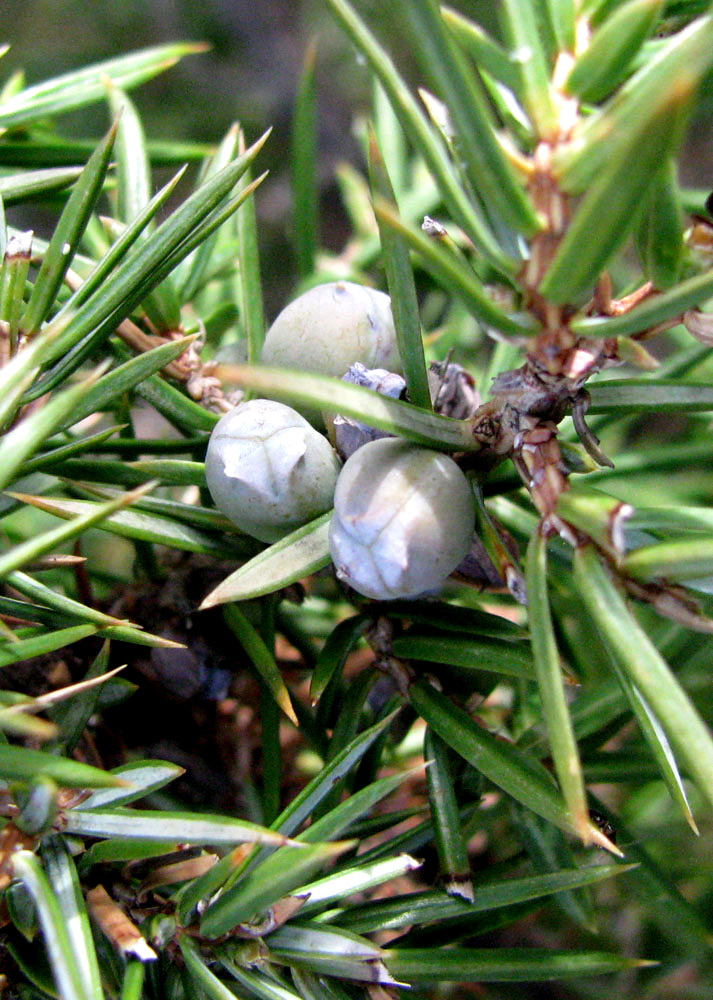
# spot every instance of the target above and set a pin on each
(709, 204)
(603, 824)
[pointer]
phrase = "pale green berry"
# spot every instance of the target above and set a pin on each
(404, 518)
(269, 470)
(331, 327)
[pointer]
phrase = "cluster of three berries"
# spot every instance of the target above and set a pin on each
(403, 515)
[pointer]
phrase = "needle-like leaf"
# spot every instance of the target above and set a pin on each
(148, 262)
(79, 87)
(371, 408)
(484, 50)
(261, 657)
(433, 965)
(133, 194)
(280, 874)
(499, 761)
(129, 524)
(31, 549)
(69, 980)
(27, 436)
(294, 557)
(488, 169)
(434, 905)
(452, 272)
(531, 59)
(62, 876)
(659, 235)
(607, 58)
(24, 764)
(659, 746)
(169, 827)
(401, 285)
(641, 661)
(332, 658)
(39, 645)
(450, 842)
(469, 654)
(613, 199)
(420, 134)
(249, 281)
(565, 754)
(67, 234)
(676, 560)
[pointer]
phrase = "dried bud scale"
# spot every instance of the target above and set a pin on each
(269, 470)
(379, 379)
(350, 434)
(403, 520)
(453, 390)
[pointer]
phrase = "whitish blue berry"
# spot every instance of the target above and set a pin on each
(404, 518)
(331, 327)
(269, 470)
